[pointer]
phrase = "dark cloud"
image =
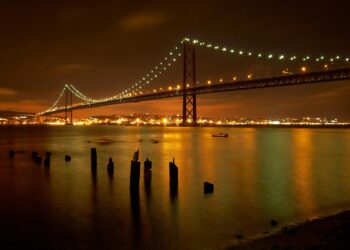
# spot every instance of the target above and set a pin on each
(140, 21)
(7, 91)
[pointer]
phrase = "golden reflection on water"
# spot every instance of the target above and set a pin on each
(259, 174)
(303, 165)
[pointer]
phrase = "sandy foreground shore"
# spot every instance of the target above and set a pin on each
(331, 232)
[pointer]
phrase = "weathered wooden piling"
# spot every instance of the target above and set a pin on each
(67, 158)
(208, 187)
(147, 164)
(38, 160)
(34, 155)
(110, 166)
(12, 153)
(93, 158)
(47, 160)
(135, 172)
(135, 175)
(147, 174)
(173, 174)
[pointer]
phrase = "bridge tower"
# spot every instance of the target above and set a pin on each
(189, 108)
(68, 113)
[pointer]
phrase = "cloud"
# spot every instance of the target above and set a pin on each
(7, 91)
(143, 20)
(24, 105)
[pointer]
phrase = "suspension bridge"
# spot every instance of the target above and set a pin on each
(247, 70)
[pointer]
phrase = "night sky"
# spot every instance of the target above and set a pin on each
(102, 47)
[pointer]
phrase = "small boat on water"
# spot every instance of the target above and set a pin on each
(220, 135)
(153, 141)
(102, 141)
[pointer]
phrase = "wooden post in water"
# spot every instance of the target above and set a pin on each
(47, 159)
(93, 159)
(173, 174)
(135, 173)
(208, 187)
(147, 173)
(12, 153)
(34, 155)
(110, 167)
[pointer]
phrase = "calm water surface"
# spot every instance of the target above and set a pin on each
(259, 174)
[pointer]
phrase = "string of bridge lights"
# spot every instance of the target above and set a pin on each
(54, 106)
(270, 56)
(147, 79)
(78, 94)
(154, 73)
(74, 91)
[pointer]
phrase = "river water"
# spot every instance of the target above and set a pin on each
(259, 174)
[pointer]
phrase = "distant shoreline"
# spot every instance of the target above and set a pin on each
(340, 126)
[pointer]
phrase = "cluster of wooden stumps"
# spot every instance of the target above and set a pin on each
(39, 160)
(135, 166)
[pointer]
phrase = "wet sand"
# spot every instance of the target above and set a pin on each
(332, 232)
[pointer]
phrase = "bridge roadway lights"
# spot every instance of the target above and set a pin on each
(280, 81)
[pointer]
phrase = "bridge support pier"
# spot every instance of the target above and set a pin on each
(189, 107)
(68, 113)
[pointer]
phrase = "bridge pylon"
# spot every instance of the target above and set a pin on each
(189, 107)
(68, 113)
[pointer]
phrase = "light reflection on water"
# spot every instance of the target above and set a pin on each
(259, 174)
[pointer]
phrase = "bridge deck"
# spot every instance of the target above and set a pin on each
(296, 79)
